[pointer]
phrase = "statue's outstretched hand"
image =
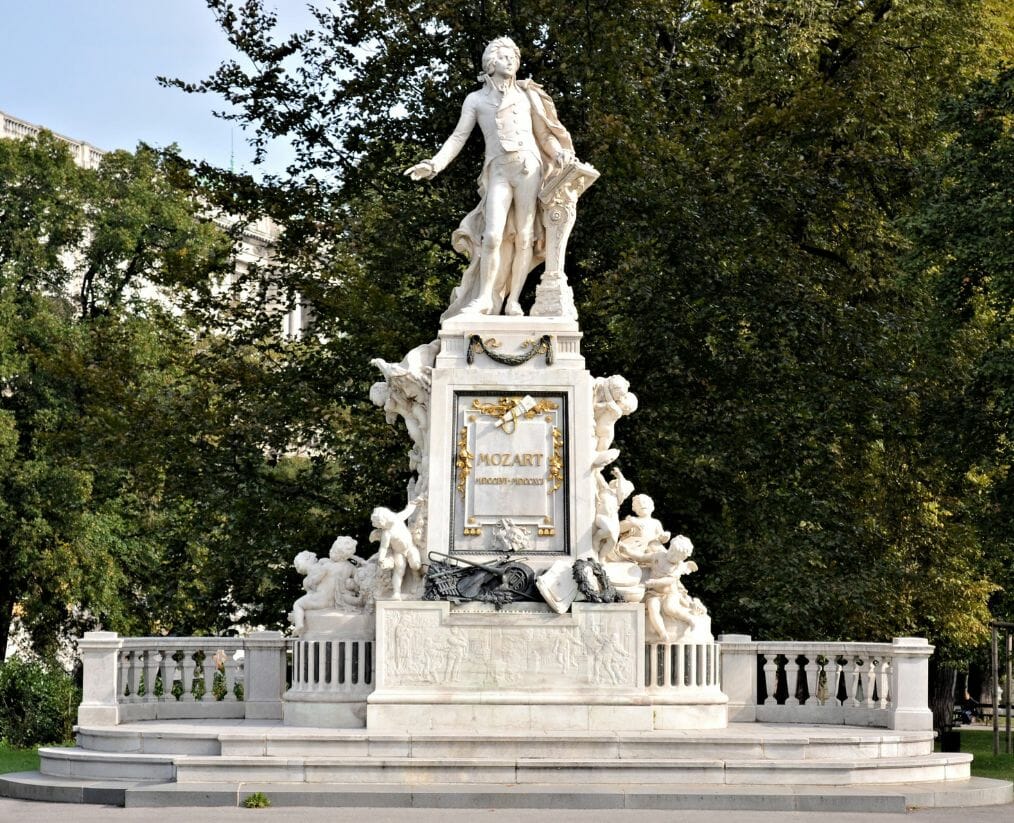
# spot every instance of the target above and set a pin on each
(422, 171)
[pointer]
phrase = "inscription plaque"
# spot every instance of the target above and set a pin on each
(510, 464)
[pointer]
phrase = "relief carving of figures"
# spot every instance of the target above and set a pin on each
(397, 551)
(405, 393)
(612, 400)
(610, 657)
(608, 499)
(526, 145)
(329, 581)
(667, 599)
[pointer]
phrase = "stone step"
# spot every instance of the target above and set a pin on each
(896, 798)
(148, 741)
(576, 745)
(463, 770)
(48, 788)
(83, 763)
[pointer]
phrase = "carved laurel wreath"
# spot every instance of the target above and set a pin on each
(584, 571)
(544, 345)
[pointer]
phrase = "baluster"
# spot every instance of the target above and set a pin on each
(667, 665)
(350, 674)
(718, 665)
(208, 670)
(230, 676)
(681, 660)
(166, 669)
(187, 669)
(852, 682)
(833, 670)
(124, 685)
(335, 659)
(136, 664)
(770, 679)
(297, 665)
(692, 664)
(812, 673)
(791, 679)
(869, 677)
(884, 684)
(152, 663)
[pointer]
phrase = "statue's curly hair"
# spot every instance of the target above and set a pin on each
(491, 50)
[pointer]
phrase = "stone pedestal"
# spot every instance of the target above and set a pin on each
(535, 470)
(332, 671)
(443, 669)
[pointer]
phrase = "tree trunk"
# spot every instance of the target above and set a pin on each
(945, 682)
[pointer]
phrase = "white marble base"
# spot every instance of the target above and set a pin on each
(327, 712)
(443, 670)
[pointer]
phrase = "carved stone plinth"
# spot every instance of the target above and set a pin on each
(444, 669)
(554, 296)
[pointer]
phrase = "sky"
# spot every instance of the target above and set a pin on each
(86, 69)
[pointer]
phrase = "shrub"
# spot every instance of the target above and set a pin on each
(38, 703)
(257, 800)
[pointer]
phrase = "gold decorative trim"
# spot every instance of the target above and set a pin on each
(464, 461)
(555, 476)
(505, 404)
(469, 531)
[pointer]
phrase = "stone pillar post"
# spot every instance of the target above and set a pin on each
(910, 684)
(264, 675)
(739, 676)
(100, 652)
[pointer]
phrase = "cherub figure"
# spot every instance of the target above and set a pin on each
(666, 595)
(397, 550)
(608, 499)
(324, 579)
(641, 535)
(612, 400)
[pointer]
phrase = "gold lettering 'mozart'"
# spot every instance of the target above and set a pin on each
(509, 459)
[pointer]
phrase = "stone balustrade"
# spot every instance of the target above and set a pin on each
(148, 678)
(682, 666)
(859, 684)
(331, 666)
(862, 684)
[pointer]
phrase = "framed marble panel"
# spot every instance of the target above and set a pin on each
(510, 462)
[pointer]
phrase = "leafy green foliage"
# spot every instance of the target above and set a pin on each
(742, 261)
(965, 255)
(38, 703)
(257, 800)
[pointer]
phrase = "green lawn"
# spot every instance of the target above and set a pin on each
(978, 741)
(18, 760)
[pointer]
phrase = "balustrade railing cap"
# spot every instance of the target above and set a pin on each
(734, 638)
(91, 637)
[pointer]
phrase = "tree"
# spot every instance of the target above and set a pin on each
(740, 261)
(965, 254)
(80, 516)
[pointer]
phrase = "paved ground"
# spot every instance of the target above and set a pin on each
(21, 811)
